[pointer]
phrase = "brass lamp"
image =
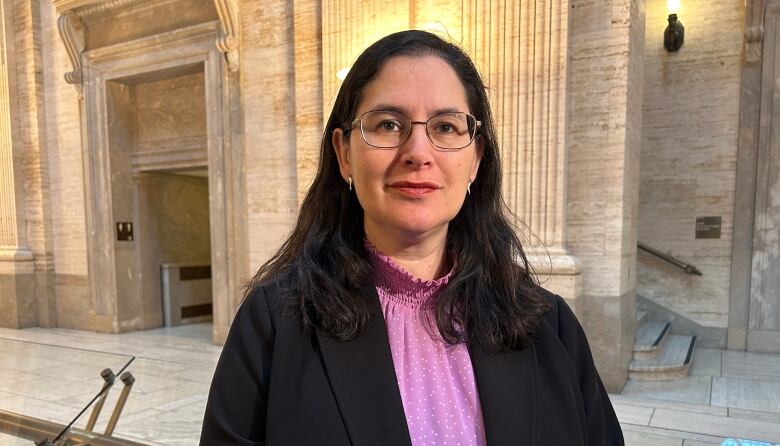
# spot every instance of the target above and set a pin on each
(674, 34)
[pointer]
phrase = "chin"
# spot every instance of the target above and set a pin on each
(419, 227)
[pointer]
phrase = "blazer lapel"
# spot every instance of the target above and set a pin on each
(363, 380)
(506, 384)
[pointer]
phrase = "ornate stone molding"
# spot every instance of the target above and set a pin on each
(15, 254)
(109, 6)
(73, 31)
(229, 39)
(73, 35)
(89, 7)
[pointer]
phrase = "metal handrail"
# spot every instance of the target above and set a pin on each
(31, 428)
(687, 267)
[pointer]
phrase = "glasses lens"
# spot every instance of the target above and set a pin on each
(384, 129)
(452, 130)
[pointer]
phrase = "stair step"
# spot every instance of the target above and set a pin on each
(650, 337)
(672, 363)
(640, 317)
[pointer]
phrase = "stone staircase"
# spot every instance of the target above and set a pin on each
(658, 354)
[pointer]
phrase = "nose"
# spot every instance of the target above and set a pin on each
(418, 150)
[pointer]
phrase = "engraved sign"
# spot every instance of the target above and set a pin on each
(707, 227)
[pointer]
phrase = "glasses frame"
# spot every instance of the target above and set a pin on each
(358, 122)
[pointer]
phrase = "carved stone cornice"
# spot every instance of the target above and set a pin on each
(62, 6)
(229, 39)
(73, 35)
(73, 31)
(89, 7)
(107, 6)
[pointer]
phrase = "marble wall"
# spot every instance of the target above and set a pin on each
(268, 99)
(689, 151)
(603, 134)
(181, 206)
(65, 182)
(170, 109)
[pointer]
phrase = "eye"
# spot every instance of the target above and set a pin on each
(389, 126)
(444, 128)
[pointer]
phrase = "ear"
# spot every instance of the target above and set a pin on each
(341, 146)
(479, 146)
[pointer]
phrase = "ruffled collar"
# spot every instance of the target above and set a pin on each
(399, 285)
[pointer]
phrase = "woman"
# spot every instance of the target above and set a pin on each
(401, 309)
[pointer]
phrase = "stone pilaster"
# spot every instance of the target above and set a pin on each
(349, 27)
(17, 279)
(605, 78)
(521, 50)
(309, 119)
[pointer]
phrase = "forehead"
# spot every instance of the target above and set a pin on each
(416, 85)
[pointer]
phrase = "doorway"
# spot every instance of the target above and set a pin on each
(157, 137)
(161, 120)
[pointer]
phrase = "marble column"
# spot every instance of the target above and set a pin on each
(521, 50)
(17, 270)
(349, 27)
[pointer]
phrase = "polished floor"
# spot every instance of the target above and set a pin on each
(53, 373)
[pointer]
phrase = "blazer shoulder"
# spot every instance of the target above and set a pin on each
(556, 305)
(274, 300)
(564, 323)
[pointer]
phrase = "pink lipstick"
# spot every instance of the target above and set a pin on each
(415, 189)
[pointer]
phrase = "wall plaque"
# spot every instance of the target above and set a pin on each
(707, 227)
(124, 231)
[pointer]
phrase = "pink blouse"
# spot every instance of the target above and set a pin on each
(436, 380)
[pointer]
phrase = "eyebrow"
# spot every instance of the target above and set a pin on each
(405, 112)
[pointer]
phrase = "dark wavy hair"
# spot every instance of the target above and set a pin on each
(322, 269)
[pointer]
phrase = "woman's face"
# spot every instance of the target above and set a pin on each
(413, 190)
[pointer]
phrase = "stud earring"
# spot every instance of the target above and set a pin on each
(468, 187)
(349, 180)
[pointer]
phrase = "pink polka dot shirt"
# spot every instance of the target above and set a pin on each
(436, 380)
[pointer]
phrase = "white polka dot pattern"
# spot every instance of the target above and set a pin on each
(436, 380)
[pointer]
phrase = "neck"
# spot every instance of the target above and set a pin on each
(422, 256)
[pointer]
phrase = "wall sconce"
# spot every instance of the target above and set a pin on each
(674, 34)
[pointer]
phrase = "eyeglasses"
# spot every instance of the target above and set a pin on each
(388, 130)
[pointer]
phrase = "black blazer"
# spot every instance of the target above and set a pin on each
(276, 385)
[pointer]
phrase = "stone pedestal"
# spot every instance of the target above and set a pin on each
(560, 273)
(17, 288)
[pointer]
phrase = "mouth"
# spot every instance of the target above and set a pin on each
(414, 189)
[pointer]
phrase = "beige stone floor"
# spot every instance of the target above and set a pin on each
(52, 373)
(728, 394)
